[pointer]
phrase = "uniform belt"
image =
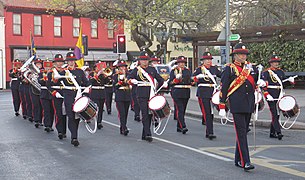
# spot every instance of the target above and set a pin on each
(274, 87)
(182, 86)
(43, 87)
(143, 84)
(124, 88)
(57, 87)
(73, 88)
(106, 85)
(206, 85)
(97, 87)
(14, 79)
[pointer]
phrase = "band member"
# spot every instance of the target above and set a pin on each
(70, 92)
(15, 84)
(55, 87)
(122, 95)
(274, 77)
(22, 89)
(35, 97)
(154, 60)
(144, 76)
(46, 97)
(238, 82)
(180, 82)
(98, 79)
(205, 78)
(134, 101)
(109, 91)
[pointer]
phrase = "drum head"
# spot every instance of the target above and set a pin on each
(215, 98)
(156, 102)
(286, 103)
(80, 104)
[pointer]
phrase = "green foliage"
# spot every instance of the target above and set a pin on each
(291, 53)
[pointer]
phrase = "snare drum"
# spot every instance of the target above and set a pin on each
(259, 100)
(85, 108)
(159, 106)
(288, 105)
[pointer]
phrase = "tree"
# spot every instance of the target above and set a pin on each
(146, 16)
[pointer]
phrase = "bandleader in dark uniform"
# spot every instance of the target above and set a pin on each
(205, 77)
(15, 84)
(122, 95)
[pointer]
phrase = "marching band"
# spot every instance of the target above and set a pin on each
(53, 91)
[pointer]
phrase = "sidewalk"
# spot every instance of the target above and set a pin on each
(264, 116)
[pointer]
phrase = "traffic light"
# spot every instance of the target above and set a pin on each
(115, 48)
(121, 39)
(85, 44)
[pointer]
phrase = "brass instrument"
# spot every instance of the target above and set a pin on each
(107, 71)
(31, 72)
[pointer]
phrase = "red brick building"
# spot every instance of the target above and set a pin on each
(56, 33)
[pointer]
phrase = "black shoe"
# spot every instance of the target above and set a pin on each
(36, 125)
(248, 130)
(147, 138)
(272, 135)
(64, 135)
(17, 114)
(156, 124)
(138, 119)
(125, 132)
(210, 136)
(279, 136)
(30, 119)
(75, 142)
(184, 130)
(60, 136)
(175, 118)
(47, 129)
(109, 112)
(51, 129)
(24, 116)
(99, 126)
(248, 167)
(40, 124)
(238, 164)
(179, 129)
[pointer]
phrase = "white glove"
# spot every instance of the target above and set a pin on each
(222, 113)
(261, 83)
(134, 81)
(165, 84)
(178, 76)
(86, 90)
(291, 79)
(121, 77)
(269, 98)
(200, 76)
(58, 95)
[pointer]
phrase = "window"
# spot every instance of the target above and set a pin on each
(17, 24)
(75, 27)
(57, 26)
(37, 25)
(110, 30)
(94, 28)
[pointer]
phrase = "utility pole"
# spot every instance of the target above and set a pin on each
(227, 31)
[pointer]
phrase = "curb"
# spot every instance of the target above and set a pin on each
(259, 123)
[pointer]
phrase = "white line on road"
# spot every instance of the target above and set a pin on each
(182, 146)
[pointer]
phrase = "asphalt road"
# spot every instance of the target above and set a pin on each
(30, 153)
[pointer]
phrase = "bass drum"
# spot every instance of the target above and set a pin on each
(85, 108)
(159, 106)
(259, 100)
(288, 106)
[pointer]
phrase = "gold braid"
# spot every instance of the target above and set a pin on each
(273, 79)
(68, 79)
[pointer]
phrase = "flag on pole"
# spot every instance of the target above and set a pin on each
(33, 48)
(79, 49)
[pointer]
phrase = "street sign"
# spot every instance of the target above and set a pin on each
(234, 37)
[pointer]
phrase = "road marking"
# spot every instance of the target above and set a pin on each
(183, 146)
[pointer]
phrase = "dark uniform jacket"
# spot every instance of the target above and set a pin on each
(242, 99)
(98, 81)
(42, 79)
(121, 88)
(144, 91)
(204, 91)
(271, 81)
(186, 80)
(14, 75)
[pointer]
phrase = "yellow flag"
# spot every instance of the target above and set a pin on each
(79, 50)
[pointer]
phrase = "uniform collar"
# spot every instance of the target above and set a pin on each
(206, 66)
(71, 68)
(273, 69)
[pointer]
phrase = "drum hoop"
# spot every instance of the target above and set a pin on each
(84, 106)
(161, 106)
(278, 103)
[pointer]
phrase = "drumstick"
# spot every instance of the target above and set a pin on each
(288, 78)
(161, 86)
